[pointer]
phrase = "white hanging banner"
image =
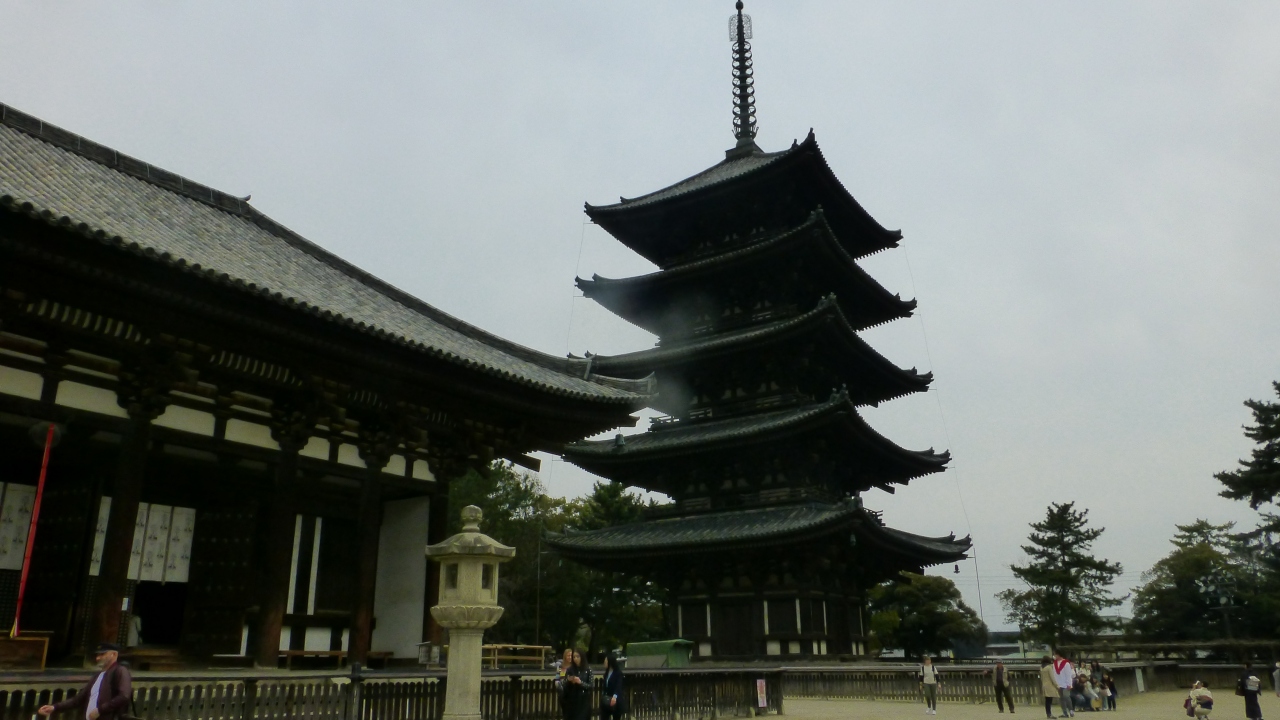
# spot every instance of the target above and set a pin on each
(100, 536)
(15, 522)
(155, 544)
(139, 535)
(162, 538)
(182, 530)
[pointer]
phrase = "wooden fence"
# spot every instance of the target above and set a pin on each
(651, 695)
(690, 694)
(968, 684)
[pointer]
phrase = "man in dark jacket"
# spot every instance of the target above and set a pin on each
(1003, 686)
(107, 695)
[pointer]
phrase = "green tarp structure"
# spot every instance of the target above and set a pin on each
(659, 654)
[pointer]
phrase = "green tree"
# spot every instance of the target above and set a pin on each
(1067, 587)
(616, 608)
(1182, 595)
(550, 600)
(1257, 481)
(922, 614)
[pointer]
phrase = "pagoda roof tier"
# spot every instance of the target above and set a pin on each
(112, 199)
(742, 196)
(759, 528)
(660, 302)
(849, 360)
(660, 458)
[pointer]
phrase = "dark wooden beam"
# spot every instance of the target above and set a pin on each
(277, 557)
(437, 531)
(369, 528)
(118, 546)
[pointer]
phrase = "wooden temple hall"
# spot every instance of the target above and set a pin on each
(254, 438)
(766, 549)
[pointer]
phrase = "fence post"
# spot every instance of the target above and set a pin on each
(442, 687)
(513, 698)
(356, 696)
(250, 698)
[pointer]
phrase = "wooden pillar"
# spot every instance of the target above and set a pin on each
(277, 557)
(369, 526)
(118, 545)
(437, 531)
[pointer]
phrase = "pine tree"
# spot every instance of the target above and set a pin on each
(1258, 479)
(1190, 593)
(1257, 482)
(1067, 587)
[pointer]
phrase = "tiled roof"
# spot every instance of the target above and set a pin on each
(864, 364)
(726, 170)
(112, 198)
(754, 527)
(741, 195)
(683, 437)
(640, 294)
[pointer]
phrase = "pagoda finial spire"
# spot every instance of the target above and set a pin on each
(744, 93)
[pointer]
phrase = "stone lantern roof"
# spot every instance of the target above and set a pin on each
(470, 542)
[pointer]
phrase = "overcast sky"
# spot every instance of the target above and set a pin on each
(1088, 193)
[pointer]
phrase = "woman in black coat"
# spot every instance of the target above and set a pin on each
(611, 700)
(577, 689)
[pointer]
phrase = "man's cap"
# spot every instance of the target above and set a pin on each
(107, 647)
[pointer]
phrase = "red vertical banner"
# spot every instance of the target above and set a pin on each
(31, 533)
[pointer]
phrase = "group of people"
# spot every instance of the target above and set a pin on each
(574, 684)
(1075, 686)
(1199, 702)
(1086, 688)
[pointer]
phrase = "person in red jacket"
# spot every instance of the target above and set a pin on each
(107, 695)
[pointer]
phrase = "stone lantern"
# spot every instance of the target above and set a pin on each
(468, 606)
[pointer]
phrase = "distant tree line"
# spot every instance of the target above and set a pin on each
(1216, 583)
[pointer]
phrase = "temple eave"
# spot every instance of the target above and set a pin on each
(738, 530)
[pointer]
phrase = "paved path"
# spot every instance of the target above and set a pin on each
(1153, 705)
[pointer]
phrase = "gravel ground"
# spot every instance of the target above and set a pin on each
(1146, 705)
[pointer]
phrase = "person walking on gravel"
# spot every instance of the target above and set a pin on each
(1048, 685)
(1065, 676)
(929, 682)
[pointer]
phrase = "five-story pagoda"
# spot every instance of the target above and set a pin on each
(766, 549)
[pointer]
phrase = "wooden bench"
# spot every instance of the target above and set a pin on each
(535, 655)
(339, 656)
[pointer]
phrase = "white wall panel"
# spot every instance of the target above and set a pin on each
(317, 448)
(349, 454)
(197, 422)
(21, 383)
(317, 638)
(251, 434)
(401, 590)
(421, 471)
(88, 397)
(395, 466)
